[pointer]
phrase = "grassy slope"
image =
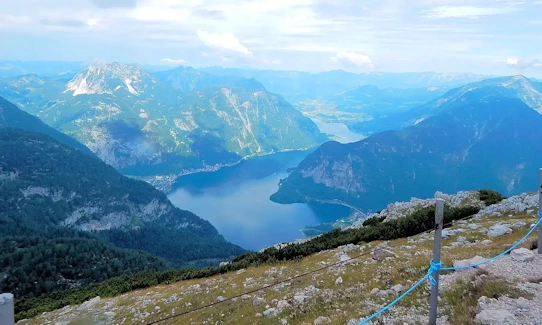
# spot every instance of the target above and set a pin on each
(351, 299)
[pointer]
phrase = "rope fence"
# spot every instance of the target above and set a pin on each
(437, 266)
(290, 279)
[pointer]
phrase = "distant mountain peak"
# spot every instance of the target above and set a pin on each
(109, 78)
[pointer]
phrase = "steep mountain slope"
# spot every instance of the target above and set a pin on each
(481, 139)
(529, 91)
(45, 185)
(11, 116)
(167, 122)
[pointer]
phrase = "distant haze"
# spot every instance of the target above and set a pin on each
(479, 36)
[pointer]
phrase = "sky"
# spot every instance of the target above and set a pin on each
(477, 36)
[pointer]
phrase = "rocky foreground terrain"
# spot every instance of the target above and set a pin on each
(367, 277)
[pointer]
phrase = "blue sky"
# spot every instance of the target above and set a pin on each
(479, 36)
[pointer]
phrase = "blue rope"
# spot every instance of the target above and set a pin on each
(437, 266)
(533, 228)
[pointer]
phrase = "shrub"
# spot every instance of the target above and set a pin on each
(490, 197)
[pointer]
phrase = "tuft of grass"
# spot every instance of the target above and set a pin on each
(462, 299)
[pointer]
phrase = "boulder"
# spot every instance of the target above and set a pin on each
(461, 239)
(496, 317)
(380, 254)
(299, 299)
(474, 260)
(282, 304)
(271, 312)
(498, 230)
(89, 303)
(522, 255)
(398, 288)
(257, 301)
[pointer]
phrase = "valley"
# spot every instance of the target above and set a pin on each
(240, 177)
(270, 162)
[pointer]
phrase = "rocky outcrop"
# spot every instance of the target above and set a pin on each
(525, 202)
(398, 209)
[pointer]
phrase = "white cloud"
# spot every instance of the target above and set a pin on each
(466, 11)
(223, 41)
(524, 63)
(173, 61)
(512, 61)
(93, 22)
(352, 59)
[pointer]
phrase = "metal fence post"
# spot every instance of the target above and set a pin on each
(540, 211)
(439, 221)
(6, 309)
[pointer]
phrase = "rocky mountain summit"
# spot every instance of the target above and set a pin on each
(164, 123)
(345, 284)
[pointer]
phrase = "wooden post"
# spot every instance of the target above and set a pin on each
(439, 221)
(6, 309)
(540, 211)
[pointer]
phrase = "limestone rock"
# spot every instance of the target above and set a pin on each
(299, 299)
(474, 260)
(522, 255)
(496, 317)
(498, 230)
(89, 303)
(398, 288)
(380, 254)
(257, 301)
(271, 312)
(282, 304)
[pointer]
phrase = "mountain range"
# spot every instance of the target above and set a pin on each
(527, 90)
(166, 122)
(482, 135)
